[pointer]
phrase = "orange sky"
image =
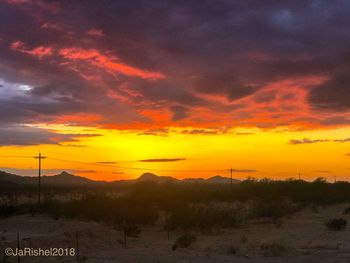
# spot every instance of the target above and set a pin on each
(251, 152)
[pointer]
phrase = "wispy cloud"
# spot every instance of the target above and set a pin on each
(310, 141)
(200, 132)
(162, 160)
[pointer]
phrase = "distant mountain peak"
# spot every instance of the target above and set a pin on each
(147, 176)
(66, 179)
(155, 178)
(64, 173)
(221, 179)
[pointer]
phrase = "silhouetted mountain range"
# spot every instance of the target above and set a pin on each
(67, 179)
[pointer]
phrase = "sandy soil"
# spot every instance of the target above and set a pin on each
(300, 238)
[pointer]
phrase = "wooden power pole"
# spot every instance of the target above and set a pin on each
(39, 157)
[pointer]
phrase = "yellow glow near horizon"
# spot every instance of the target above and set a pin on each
(267, 152)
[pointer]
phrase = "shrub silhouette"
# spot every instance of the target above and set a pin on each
(273, 209)
(132, 231)
(337, 224)
(7, 210)
(346, 211)
(273, 249)
(184, 241)
(101, 208)
(204, 216)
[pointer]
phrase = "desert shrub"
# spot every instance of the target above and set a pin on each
(273, 249)
(346, 211)
(53, 209)
(132, 230)
(337, 224)
(273, 209)
(315, 208)
(7, 210)
(184, 241)
(232, 250)
(101, 208)
(243, 238)
(204, 217)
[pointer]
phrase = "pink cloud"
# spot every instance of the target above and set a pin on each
(110, 64)
(39, 52)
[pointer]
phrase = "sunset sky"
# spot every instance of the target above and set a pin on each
(111, 89)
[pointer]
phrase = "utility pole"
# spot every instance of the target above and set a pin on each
(231, 170)
(299, 176)
(39, 157)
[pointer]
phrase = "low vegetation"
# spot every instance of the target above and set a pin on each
(187, 206)
(184, 241)
(274, 249)
(337, 224)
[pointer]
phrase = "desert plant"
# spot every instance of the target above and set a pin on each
(346, 211)
(232, 250)
(131, 230)
(243, 239)
(169, 226)
(184, 241)
(337, 224)
(273, 249)
(274, 209)
(7, 210)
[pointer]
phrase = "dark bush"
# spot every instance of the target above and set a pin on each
(337, 224)
(132, 231)
(101, 208)
(273, 209)
(232, 250)
(7, 210)
(204, 217)
(184, 241)
(346, 211)
(273, 249)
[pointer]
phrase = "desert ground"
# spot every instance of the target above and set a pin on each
(302, 237)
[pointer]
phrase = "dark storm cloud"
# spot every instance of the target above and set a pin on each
(224, 84)
(164, 91)
(337, 120)
(179, 112)
(115, 59)
(26, 135)
(334, 94)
